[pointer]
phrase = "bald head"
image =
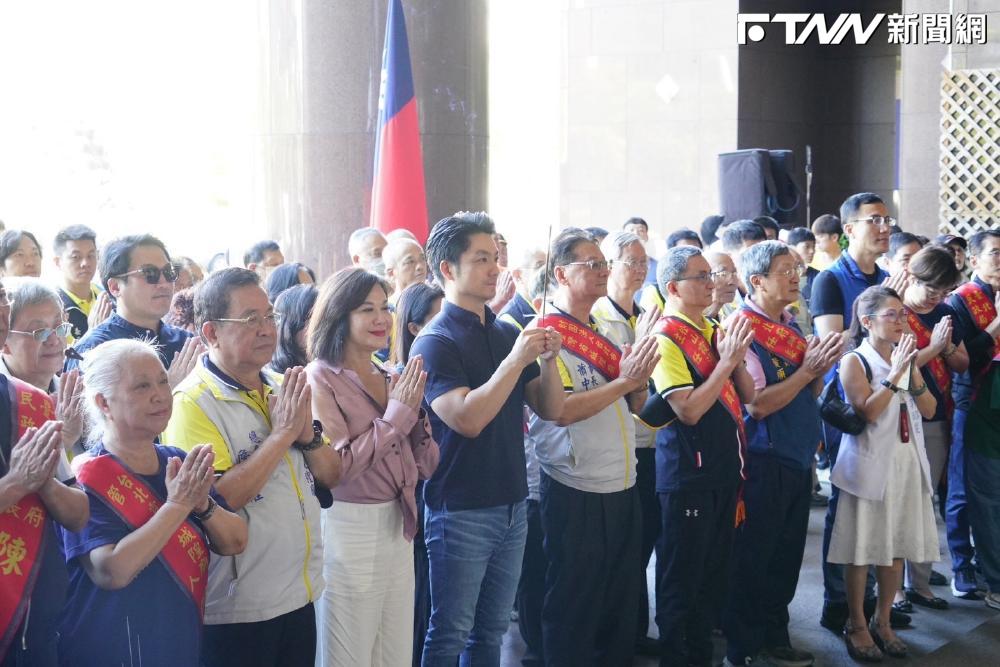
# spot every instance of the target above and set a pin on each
(405, 263)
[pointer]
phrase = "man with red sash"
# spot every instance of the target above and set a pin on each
(976, 426)
(782, 427)
(33, 577)
(700, 384)
(590, 510)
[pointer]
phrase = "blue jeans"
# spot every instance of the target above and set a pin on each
(981, 474)
(956, 519)
(834, 588)
(475, 563)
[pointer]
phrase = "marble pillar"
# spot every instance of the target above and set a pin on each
(319, 64)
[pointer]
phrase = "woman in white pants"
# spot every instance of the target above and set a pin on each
(373, 418)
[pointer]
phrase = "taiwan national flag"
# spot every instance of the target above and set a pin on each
(398, 198)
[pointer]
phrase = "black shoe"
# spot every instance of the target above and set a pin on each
(932, 602)
(647, 646)
(938, 579)
(834, 616)
(904, 606)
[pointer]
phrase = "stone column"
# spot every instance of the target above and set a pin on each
(318, 71)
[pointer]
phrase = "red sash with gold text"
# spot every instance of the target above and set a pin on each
(704, 357)
(186, 554)
(980, 307)
(778, 339)
(936, 366)
(585, 343)
(23, 526)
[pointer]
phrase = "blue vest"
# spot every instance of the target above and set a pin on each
(853, 282)
(792, 433)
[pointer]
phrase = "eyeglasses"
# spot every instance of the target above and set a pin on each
(593, 265)
(152, 273)
(254, 321)
(630, 264)
(934, 293)
(722, 275)
(42, 335)
(877, 220)
(992, 254)
(798, 272)
(700, 277)
(893, 316)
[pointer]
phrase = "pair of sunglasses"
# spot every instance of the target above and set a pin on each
(152, 273)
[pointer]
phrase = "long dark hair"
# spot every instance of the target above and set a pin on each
(342, 293)
(414, 305)
(867, 303)
(294, 308)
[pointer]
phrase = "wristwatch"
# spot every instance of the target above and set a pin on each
(207, 514)
(317, 440)
(890, 386)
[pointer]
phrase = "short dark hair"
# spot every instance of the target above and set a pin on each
(767, 222)
(284, 277)
(827, 224)
(11, 239)
(598, 233)
(683, 235)
(799, 235)
(117, 254)
(211, 296)
(853, 204)
(978, 240)
(414, 305)
(293, 308)
(709, 228)
(181, 313)
(636, 221)
(72, 233)
(450, 238)
(935, 266)
(330, 325)
(740, 231)
(900, 239)
(563, 249)
(255, 254)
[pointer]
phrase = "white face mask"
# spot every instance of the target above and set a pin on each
(376, 266)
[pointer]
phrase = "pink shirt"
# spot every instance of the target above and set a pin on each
(752, 360)
(382, 453)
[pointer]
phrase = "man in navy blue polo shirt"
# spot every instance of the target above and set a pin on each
(480, 372)
(867, 224)
(137, 272)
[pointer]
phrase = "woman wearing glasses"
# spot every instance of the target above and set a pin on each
(374, 419)
(36, 349)
(938, 337)
(884, 513)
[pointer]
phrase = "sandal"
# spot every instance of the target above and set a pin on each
(860, 653)
(895, 648)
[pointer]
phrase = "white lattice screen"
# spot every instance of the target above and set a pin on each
(970, 150)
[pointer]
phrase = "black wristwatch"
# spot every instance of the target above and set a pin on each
(207, 514)
(890, 386)
(317, 440)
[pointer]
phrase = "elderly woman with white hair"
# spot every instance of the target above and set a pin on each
(138, 569)
(36, 349)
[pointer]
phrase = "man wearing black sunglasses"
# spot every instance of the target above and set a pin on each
(137, 273)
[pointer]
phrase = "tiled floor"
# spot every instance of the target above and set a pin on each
(966, 635)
